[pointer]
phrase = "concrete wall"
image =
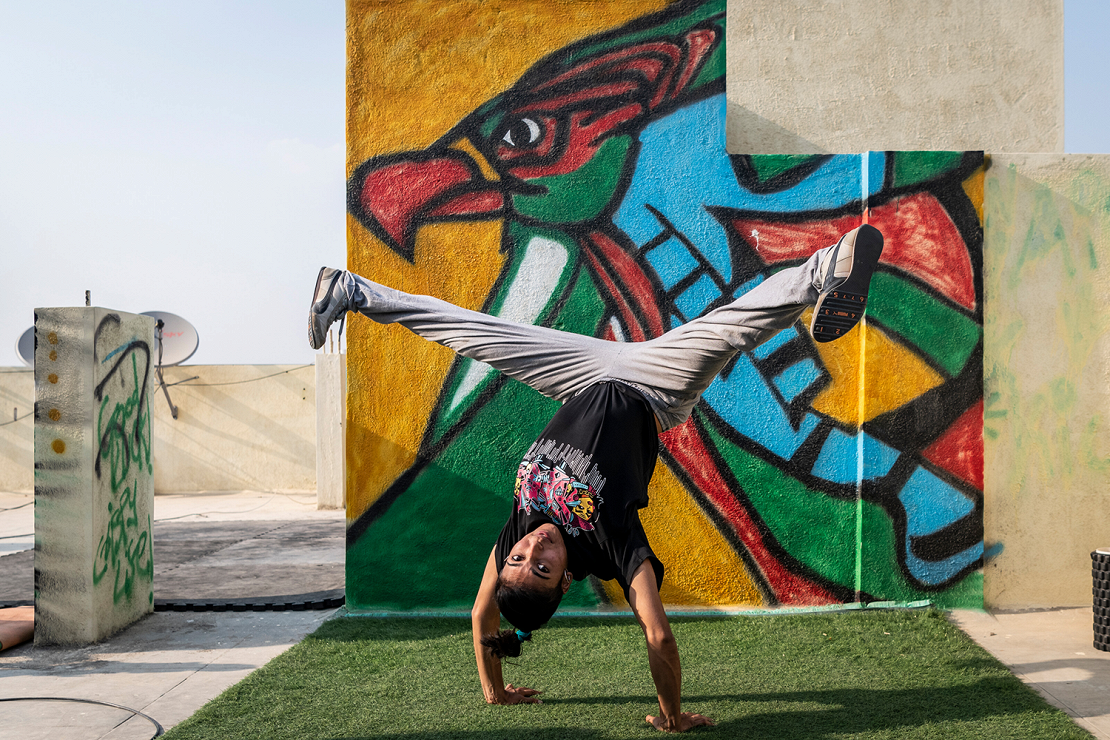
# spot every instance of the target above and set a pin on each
(17, 429)
(1047, 376)
(854, 75)
(556, 204)
(331, 430)
(94, 484)
(239, 427)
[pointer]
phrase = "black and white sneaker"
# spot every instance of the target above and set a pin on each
(329, 304)
(847, 272)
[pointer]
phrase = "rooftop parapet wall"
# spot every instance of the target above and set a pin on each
(239, 427)
(17, 429)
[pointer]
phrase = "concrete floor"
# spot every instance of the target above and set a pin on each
(1052, 651)
(167, 666)
(171, 663)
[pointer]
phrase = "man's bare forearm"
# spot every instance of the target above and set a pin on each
(666, 672)
(489, 667)
(485, 619)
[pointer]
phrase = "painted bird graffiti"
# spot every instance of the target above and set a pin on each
(606, 163)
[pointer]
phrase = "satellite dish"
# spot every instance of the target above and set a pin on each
(179, 338)
(25, 347)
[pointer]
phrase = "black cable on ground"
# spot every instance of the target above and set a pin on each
(158, 729)
(316, 601)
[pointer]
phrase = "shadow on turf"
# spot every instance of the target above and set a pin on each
(826, 714)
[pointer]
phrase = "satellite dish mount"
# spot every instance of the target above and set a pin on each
(158, 326)
(184, 343)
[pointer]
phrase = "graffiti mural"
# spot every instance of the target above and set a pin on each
(594, 194)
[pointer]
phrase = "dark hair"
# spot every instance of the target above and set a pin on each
(524, 608)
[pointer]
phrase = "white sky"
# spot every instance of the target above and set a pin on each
(188, 157)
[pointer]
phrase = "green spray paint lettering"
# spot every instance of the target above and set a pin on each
(124, 430)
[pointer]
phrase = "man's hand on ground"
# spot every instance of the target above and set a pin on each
(522, 695)
(682, 723)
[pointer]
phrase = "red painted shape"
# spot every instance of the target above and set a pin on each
(960, 449)
(634, 329)
(478, 203)
(611, 261)
(398, 195)
(661, 49)
(598, 92)
(585, 135)
(690, 451)
(919, 238)
(698, 45)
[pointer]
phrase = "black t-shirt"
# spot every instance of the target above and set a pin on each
(588, 474)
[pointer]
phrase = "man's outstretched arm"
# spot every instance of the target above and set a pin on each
(666, 670)
(485, 619)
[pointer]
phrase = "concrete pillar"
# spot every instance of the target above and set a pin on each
(94, 482)
(331, 427)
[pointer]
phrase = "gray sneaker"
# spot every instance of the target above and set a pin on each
(845, 278)
(329, 304)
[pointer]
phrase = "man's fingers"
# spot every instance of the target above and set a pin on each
(686, 721)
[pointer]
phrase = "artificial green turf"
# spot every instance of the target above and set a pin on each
(879, 674)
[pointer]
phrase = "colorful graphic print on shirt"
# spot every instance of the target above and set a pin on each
(561, 482)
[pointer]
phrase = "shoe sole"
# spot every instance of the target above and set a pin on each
(840, 309)
(316, 338)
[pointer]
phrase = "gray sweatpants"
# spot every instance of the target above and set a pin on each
(672, 371)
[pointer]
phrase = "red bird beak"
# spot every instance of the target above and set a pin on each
(394, 195)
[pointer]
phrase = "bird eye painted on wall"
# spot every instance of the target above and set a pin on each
(623, 216)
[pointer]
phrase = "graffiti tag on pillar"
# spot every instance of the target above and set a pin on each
(123, 428)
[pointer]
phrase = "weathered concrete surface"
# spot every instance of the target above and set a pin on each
(1046, 365)
(170, 664)
(238, 427)
(17, 429)
(859, 75)
(94, 484)
(331, 429)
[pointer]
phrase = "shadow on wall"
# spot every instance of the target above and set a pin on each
(748, 132)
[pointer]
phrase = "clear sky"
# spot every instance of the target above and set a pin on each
(188, 157)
